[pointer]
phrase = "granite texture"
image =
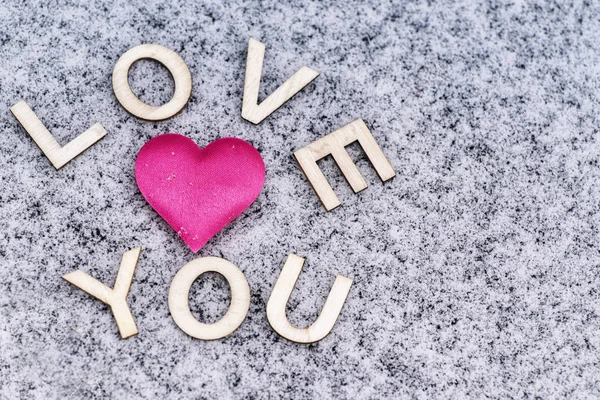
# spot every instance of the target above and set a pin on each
(476, 270)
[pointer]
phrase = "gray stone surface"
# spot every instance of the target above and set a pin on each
(477, 269)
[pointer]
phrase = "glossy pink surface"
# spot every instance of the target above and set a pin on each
(198, 191)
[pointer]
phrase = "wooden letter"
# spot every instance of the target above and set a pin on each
(335, 144)
(180, 290)
(251, 110)
(57, 155)
(116, 298)
(281, 294)
(176, 66)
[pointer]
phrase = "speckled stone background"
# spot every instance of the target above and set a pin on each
(476, 270)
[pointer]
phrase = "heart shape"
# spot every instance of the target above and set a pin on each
(199, 190)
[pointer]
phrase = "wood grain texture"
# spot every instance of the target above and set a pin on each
(176, 66)
(179, 298)
(335, 144)
(116, 297)
(281, 295)
(57, 155)
(251, 110)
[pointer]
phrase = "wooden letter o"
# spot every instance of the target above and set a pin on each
(180, 290)
(176, 66)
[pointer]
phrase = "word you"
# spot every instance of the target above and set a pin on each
(179, 293)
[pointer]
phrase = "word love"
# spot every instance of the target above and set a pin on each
(179, 293)
(333, 144)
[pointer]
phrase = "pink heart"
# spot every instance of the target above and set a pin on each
(199, 191)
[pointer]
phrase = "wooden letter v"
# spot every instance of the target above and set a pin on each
(251, 110)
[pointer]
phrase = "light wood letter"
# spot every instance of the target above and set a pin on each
(251, 110)
(281, 295)
(116, 298)
(335, 144)
(57, 155)
(176, 66)
(179, 293)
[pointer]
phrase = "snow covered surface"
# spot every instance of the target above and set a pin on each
(476, 270)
